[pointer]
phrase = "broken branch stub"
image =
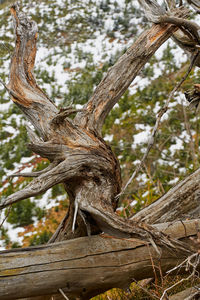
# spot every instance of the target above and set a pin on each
(83, 161)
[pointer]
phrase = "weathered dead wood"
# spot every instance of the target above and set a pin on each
(91, 176)
(180, 202)
(93, 186)
(24, 90)
(188, 294)
(86, 266)
(120, 76)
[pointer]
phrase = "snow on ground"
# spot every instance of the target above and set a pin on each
(101, 48)
(143, 136)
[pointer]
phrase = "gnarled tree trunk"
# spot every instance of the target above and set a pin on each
(90, 172)
(80, 158)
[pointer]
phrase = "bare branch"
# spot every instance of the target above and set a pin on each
(35, 174)
(188, 265)
(162, 111)
(195, 4)
(120, 76)
(63, 294)
(49, 150)
(152, 10)
(10, 92)
(41, 184)
(73, 166)
(63, 114)
(192, 27)
(22, 86)
(180, 202)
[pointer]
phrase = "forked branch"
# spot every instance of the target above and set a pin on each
(120, 76)
(63, 171)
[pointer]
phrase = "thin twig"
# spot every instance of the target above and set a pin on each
(175, 284)
(188, 264)
(63, 294)
(9, 209)
(162, 111)
(2, 44)
(145, 290)
(153, 267)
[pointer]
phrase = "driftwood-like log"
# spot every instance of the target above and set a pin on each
(90, 172)
(87, 266)
(93, 186)
(180, 202)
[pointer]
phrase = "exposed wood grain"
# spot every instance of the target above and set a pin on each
(85, 266)
(28, 96)
(120, 76)
(180, 202)
(93, 185)
(90, 172)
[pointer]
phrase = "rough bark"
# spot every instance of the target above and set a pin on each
(180, 202)
(90, 172)
(120, 76)
(87, 266)
(80, 158)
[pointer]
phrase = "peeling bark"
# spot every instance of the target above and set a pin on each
(88, 165)
(90, 172)
(87, 266)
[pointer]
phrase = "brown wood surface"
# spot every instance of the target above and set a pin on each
(86, 266)
(85, 164)
(180, 202)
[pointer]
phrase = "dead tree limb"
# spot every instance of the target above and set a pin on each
(120, 76)
(90, 172)
(180, 202)
(86, 266)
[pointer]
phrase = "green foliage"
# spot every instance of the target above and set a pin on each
(41, 238)
(23, 212)
(81, 88)
(4, 236)
(135, 111)
(57, 190)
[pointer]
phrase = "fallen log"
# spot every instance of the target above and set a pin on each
(89, 265)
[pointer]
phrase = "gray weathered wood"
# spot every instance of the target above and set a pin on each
(92, 186)
(86, 266)
(120, 76)
(90, 172)
(180, 202)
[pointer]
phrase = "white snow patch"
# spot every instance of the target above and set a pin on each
(141, 137)
(134, 202)
(173, 181)
(177, 146)
(108, 137)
